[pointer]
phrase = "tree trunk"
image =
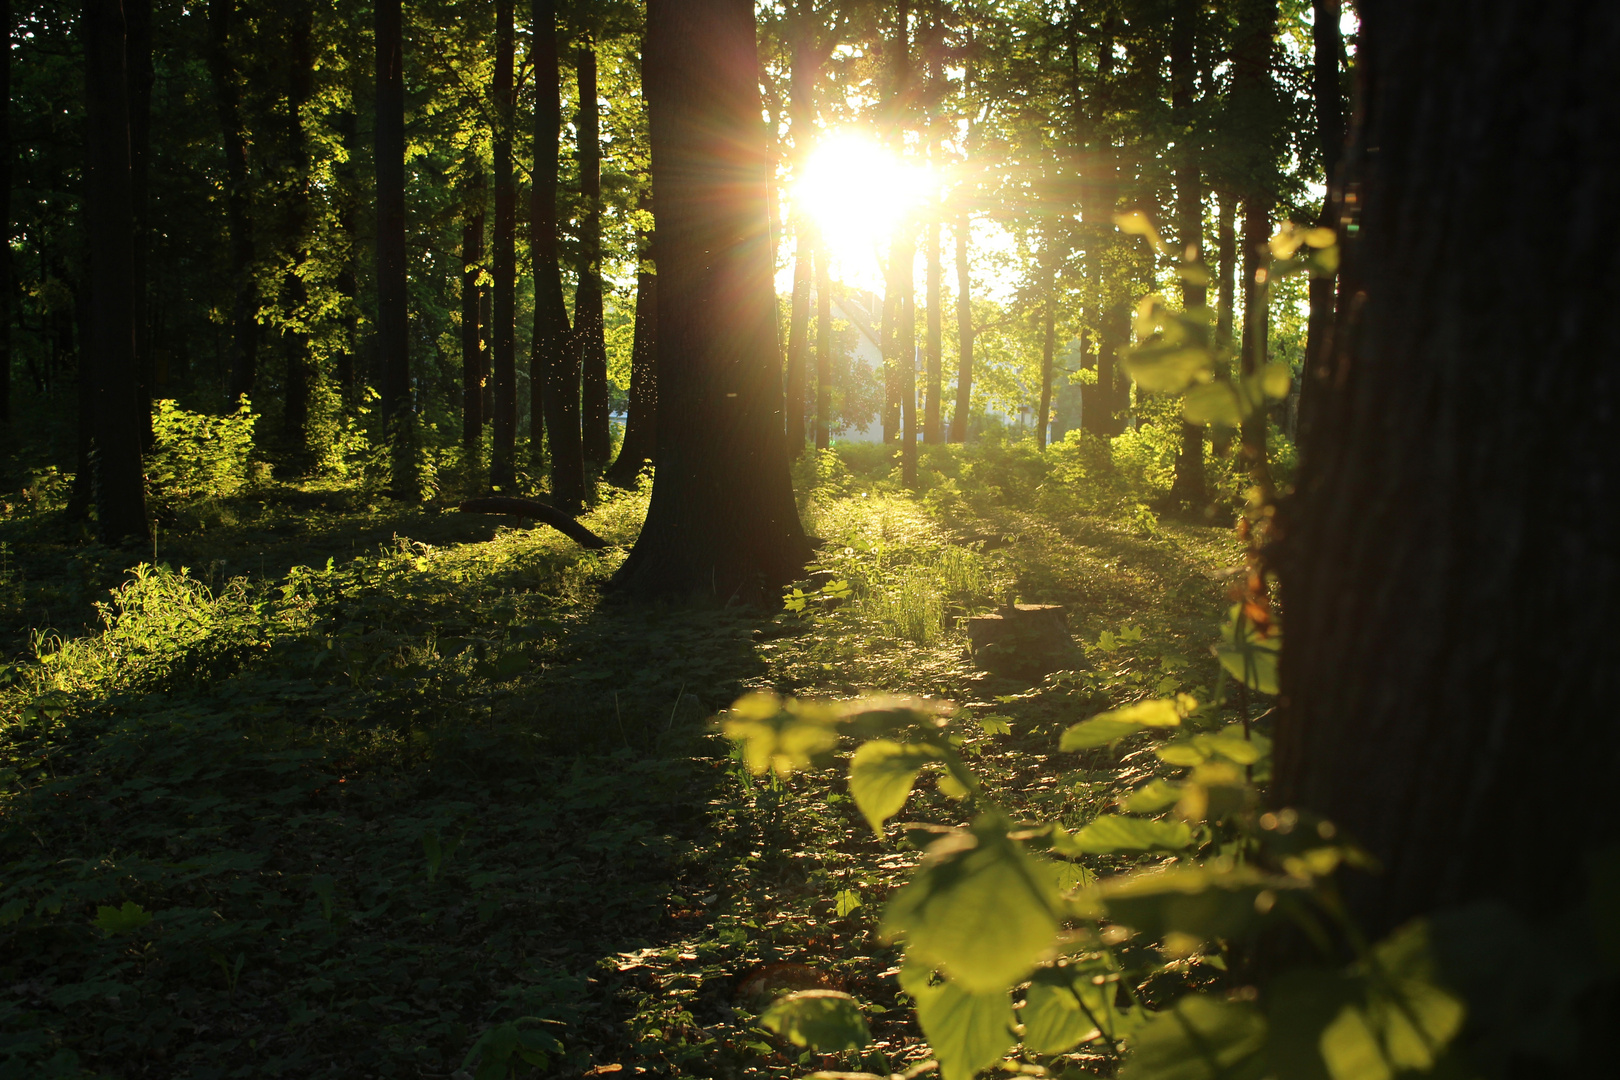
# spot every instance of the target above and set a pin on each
(238, 222)
(393, 342)
(138, 58)
(1253, 55)
(1448, 564)
(117, 483)
(588, 324)
(723, 524)
(1112, 305)
(906, 353)
(964, 332)
(1048, 346)
(295, 205)
(1188, 491)
(1225, 307)
(503, 262)
(641, 418)
(472, 337)
(348, 277)
(553, 364)
(802, 108)
(935, 335)
(1328, 96)
(898, 285)
(824, 349)
(6, 305)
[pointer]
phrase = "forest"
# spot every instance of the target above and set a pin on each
(825, 539)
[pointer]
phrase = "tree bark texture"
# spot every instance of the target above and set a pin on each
(964, 333)
(1188, 491)
(503, 261)
(1254, 104)
(472, 337)
(588, 325)
(553, 364)
(238, 221)
(1328, 97)
(117, 483)
(935, 339)
(1448, 565)
(641, 418)
(722, 524)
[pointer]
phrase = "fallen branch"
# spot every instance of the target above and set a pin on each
(539, 511)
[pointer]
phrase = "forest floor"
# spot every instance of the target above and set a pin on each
(365, 786)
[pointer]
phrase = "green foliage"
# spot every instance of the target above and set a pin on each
(195, 455)
(823, 1020)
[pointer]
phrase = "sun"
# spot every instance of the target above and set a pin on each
(858, 192)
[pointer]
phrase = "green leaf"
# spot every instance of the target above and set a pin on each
(1200, 1038)
(1246, 656)
(980, 908)
(1212, 403)
(881, 775)
(1115, 724)
(846, 902)
(779, 735)
(1184, 752)
(1111, 833)
(1200, 901)
(1152, 797)
(11, 911)
(1231, 744)
(1275, 380)
(1300, 1006)
(825, 1021)
(1054, 1021)
(995, 724)
(122, 920)
(968, 1031)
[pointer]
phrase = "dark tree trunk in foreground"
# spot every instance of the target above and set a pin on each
(6, 306)
(117, 483)
(641, 418)
(588, 324)
(553, 365)
(964, 333)
(238, 222)
(723, 524)
(1449, 564)
(393, 345)
(824, 349)
(138, 61)
(1329, 100)
(472, 337)
(503, 263)
(1187, 490)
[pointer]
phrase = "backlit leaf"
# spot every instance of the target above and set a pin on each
(1200, 1038)
(968, 1031)
(122, 920)
(1152, 797)
(1212, 403)
(1246, 656)
(881, 775)
(1113, 833)
(825, 1021)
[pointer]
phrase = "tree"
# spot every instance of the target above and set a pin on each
(588, 324)
(118, 486)
(641, 417)
(503, 260)
(722, 524)
(553, 366)
(1328, 99)
(1255, 105)
(5, 217)
(239, 223)
(472, 291)
(1448, 564)
(964, 332)
(1187, 491)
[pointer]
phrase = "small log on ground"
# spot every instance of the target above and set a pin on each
(544, 513)
(1025, 641)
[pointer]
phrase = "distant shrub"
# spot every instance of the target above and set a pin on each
(199, 455)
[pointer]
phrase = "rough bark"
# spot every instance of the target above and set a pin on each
(472, 337)
(964, 333)
(503, 261)
(588, 326)
(1188, 492)
(553, 365)
(1253, 57)
(1448, 565)
(118, 486)
(238, 222)
(1328, 98)
(722, 524)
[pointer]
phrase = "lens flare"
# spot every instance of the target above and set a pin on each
(858, 192)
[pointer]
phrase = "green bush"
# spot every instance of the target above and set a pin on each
(198, 455)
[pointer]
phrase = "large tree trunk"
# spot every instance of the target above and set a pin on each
(553, 364)
(802, 108)
(1111, 313)
(723, 524)
(503, 262)
(238, 222)
(138, 60)
(588, 324)
(1187, 490)
(117, 483)
(1328, 94)
(472, 337)
(295, 206)
(393, 343)
(1448, 565)
(935, 339)
(1253, 56)
(824, 349)
(641, 418)
(6, 306)
(964, 332)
